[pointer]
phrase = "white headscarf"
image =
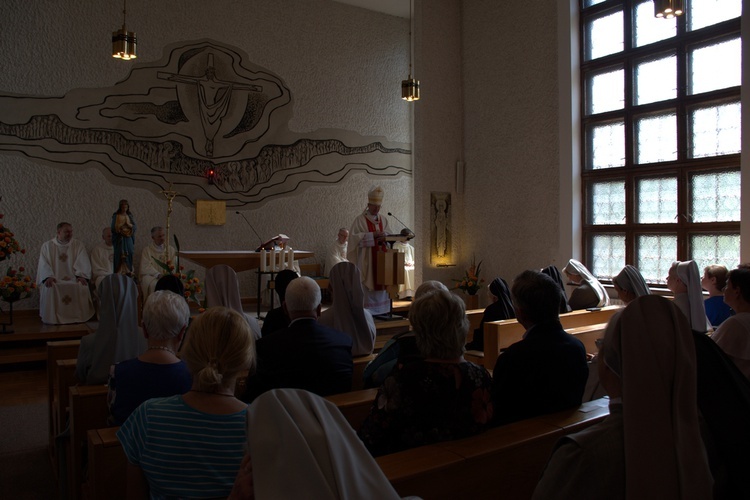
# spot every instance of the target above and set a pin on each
(348, 313)
(301, 446)
(117, 338)
(690, 275)
(223, 289)
(630, 279)
(650, 346)
(576, 268)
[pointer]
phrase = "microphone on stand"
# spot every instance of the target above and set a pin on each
(405, 231)
(251, 227)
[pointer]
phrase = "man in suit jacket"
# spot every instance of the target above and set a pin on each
(305, 355)
(547, 370)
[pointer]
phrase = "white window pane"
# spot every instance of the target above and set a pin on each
(655, 254)
(656, 80)
(708, 249)
(649, 29)
(702, 13)
(715, 130)
(589, 3)
(607, 203)
(608, 255)
(715, 66)
(607, 146)
(715, 197)
(656, 138)
(604, 36)
(657, 200)
(606, 91)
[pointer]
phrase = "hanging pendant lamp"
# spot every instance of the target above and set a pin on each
(123, 41)
(667, 9)
(410, 86)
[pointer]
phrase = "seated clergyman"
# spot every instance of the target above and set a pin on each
(62, 276)
(150, 270)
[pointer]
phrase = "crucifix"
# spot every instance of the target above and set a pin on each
(169, 194)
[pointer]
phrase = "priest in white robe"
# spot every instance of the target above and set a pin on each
(366, 238)
(150, 270)
(407, 289)
(102, 258)
(62, 277)
(337, 251)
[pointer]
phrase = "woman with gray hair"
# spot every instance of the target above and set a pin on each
(650, 446)
(630, 284)
(158, 372)
(438, 398)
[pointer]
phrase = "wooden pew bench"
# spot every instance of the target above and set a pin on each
(355, 405)
(360, 363)
(500, 335)
(63, 379)
(504, 462)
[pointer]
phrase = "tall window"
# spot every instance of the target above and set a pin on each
(661, 135)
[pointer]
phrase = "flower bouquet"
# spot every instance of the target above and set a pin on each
(193, 285)
(16, 285)
(8, 244)
(471, 283)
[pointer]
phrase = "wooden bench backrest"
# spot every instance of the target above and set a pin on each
(500, 335)
(56, 350)
(360, 363)
(504, 462)
(88, 410)
(355, 405)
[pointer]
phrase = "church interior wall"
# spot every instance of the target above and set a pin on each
(343, 65)
(511, 119)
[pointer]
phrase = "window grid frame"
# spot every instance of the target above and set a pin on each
(683, 167)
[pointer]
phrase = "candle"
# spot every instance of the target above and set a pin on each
(263, 260)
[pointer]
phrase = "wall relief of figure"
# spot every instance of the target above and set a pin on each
(440, 233)
(202, 106)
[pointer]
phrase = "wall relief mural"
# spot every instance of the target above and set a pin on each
(441, 232)
(202, 106)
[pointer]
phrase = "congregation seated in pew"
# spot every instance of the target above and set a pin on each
(321, 456)
(305, 355)
(501, 308)
(347, 312)
(117, 337)
(205, 449)
(157, 372)
(546, 371)
(641, 450)
(437, 398)
(276, 319)
(400, 349)
(223, 289)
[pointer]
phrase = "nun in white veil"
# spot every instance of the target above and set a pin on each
(223, 289)
(589, 292)
(347, 313)
(684, 280)
(117, 337)
(301, 446)
(630, 284)
(650, 445)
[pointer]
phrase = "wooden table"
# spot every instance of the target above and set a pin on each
(239, 260)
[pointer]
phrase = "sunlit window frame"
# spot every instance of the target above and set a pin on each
(683, 167)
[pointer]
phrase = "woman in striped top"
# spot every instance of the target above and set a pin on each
(191, 445)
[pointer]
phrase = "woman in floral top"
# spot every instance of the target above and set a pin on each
(439, 398)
